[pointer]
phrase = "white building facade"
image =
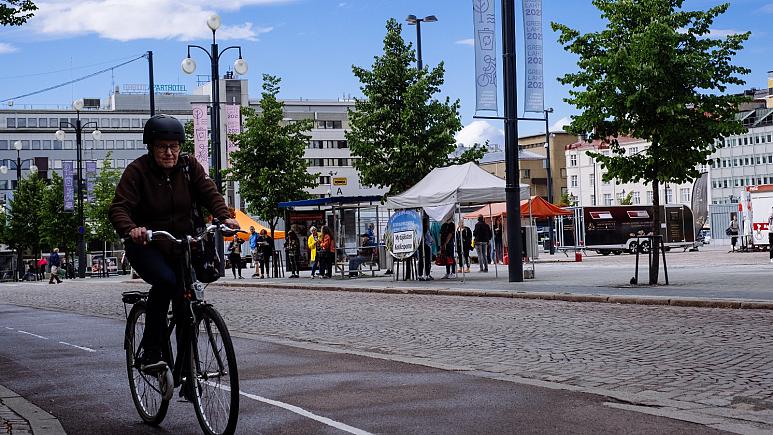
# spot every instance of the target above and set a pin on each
(586, 187)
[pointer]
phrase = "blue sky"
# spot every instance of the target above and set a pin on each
(310, 44)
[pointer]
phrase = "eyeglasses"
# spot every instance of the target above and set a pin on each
(169, 147)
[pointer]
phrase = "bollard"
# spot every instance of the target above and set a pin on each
(578, 256)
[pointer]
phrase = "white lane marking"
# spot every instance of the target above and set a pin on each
(78, 347)
(34, 335)
(88, 349)
(300, 411)
(8, 327)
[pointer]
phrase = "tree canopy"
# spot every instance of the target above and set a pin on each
(655, 73)
(16, 12)
(269, 163)
(399, 132)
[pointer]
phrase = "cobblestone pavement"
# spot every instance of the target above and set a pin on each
(712, 366)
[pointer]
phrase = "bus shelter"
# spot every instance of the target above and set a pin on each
(348, 218)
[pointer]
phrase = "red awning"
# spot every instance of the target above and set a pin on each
(540, 209)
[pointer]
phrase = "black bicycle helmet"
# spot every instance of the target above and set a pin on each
(163, 127)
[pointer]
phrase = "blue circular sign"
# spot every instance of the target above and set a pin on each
(82, 230)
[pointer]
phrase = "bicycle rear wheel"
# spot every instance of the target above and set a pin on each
(215, 376)
(145, 389)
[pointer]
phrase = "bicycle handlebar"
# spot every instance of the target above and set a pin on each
(210, 228)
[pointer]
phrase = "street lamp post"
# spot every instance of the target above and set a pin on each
(78, 126)
(550, 179)
(240, 66)
(4, 170)
(413, 20)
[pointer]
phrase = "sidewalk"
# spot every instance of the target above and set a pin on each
(709, 278)
(20, 416)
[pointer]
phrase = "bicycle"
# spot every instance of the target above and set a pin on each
(205, 368)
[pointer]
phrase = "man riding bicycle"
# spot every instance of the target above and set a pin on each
(158, 191)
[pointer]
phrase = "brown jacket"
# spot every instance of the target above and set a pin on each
(147, 197)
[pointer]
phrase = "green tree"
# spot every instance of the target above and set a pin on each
(627, 199)
(98, 226)
(23, 219)
(654, 73)
(16, 12)
(399, 131)
(187, 146)
(58, 229)
(269, 163)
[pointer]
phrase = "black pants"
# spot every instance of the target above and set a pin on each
(162, 274)
(265, 264)
(425, 260)
(464, 256)
(449, 251)
(236, 263)
(326, 263)
(292, 261)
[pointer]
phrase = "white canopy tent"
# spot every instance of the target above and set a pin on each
(459, 184)
(444, 190)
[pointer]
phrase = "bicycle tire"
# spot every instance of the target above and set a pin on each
(214, 374)
(145, 389)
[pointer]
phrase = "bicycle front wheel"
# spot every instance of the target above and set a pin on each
(214, 374)
(145, 389)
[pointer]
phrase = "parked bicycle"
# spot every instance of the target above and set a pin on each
(205, 367)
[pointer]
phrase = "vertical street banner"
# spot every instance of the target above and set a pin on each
(232, 126)
(700, 202)
(200, 144)
(484, 29)
(534, 98)
(91, 178)
(69, 186)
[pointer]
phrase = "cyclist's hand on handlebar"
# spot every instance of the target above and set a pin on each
(139, 235)
(231, 223)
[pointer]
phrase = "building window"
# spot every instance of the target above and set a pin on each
(573, 181)
(573, 160)
(119, 144)
(136, 123)
(685, 194)
(669, 195)
(36, 145)
(10, 123)
(343, 144)
(115, 123)
(47, 145)
(592, 179)
(593, 200)
(525, 173)
(563, 172)
(607, 199)
(634, 150)
(3, 144)
(620, 196)
(125, 123)
(324, 179)
(650, 197)
(21, 122)
(636, 198)
(43, 122)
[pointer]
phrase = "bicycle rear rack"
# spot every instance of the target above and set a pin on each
(132, 297)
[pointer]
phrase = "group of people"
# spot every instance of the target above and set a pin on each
(322, 249)
(261, 249)
(456, 242)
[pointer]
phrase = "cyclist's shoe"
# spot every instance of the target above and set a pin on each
(151, 363)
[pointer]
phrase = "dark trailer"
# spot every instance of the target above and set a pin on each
(615, 229)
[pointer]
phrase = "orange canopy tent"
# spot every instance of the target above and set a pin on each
(245, 222)
(540, 209)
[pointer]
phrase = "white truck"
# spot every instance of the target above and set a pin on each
(758, 206)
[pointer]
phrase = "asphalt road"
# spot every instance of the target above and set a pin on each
(72, 366)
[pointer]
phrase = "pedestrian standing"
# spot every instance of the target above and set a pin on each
(425, 252)
(447, 231)
(235, 256)
(253, 244)
(463, 245)
(42, 263)
(292, 247)
(498, 241)
(327, 246)
(312, 243)
(732, 231)
(482, 235)
(55, 262)
(267, 246)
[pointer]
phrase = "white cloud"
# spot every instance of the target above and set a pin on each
(479, 132)
(768, 8)
(559, 125)
(342, 4)
(6, 48)
(470, 42)
(126, 20)
(719, 33)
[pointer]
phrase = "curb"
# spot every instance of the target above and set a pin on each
(547, 296)
(40, 422)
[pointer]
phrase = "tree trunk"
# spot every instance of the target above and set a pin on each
(655, 248)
